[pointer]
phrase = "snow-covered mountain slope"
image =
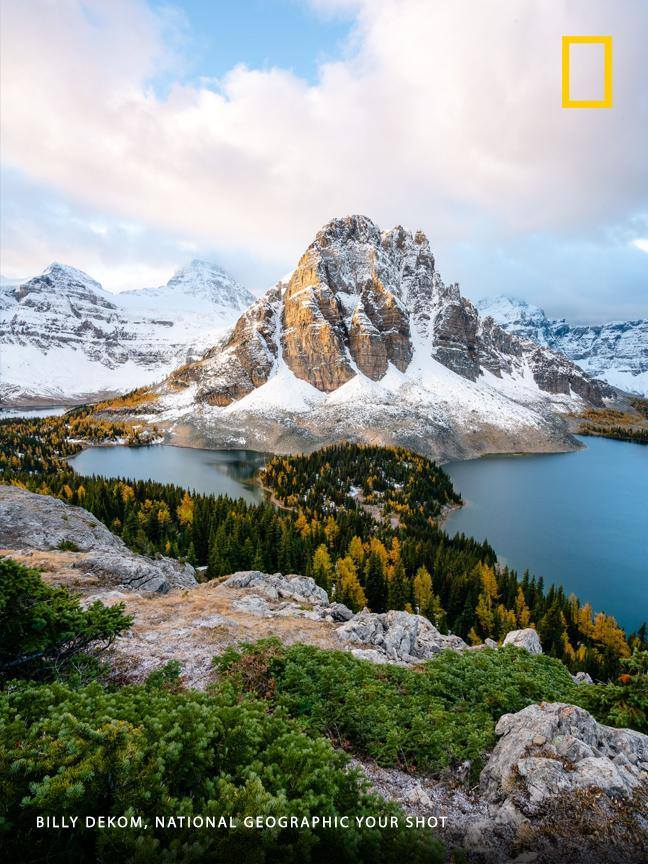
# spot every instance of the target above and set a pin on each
(364, 341)
(617, 352)
(64, 338)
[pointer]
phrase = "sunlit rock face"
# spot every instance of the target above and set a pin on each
(360, 300)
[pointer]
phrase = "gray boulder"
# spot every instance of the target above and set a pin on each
(582, 678)
(527, 639)
(561, 787)
(340, 612)
(554, 749)
(400, 636)
(31, 521)
(303, 589)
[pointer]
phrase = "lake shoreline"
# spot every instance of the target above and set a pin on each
(576, 522)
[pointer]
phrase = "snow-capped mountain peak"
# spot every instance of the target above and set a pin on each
(616, 352)
(510, 309)
(199, 284)
(64, 338)
(365, 341)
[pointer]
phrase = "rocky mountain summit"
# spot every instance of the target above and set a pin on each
(365, 341)
(616, 352)
(63, 337)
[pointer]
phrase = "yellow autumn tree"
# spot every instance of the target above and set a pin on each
(185, 509)
(331, 530)
(349, 590)
(422, 588)
(473, 638)
(484, 613)
(395, 551)
(127, 493)
(608, 633)
(522, 613)
(322, 569)
(505, 621)
(585, 622)
(357, 551)
(301, 525)
(378, 548)
(487, 577)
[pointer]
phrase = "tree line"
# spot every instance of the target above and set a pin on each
(363, 521)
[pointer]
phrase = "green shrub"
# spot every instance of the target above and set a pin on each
(437, 715)
(68, 546)
(623, 703)
(151, 750)
(43, 628)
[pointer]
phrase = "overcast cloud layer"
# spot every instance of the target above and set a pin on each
(441, 115)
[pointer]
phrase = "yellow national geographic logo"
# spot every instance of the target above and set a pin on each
(606, 42)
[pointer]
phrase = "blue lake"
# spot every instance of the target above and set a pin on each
(45, 411)
(223, 472)
(577, 519)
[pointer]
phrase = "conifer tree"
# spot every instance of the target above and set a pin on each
(398, 588)
(375, 585)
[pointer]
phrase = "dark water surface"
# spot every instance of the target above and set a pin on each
(577, 519)
(223, 472)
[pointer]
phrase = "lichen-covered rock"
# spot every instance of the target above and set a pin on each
(30, 521)
(561, 787)
(550, 749)
(399, 636)
(275, 585)
(527, 639)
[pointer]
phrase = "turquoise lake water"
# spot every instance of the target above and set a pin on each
(577, 519)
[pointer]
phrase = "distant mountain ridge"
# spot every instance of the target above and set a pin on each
(617, 351)
(64, 338)
(364, 341)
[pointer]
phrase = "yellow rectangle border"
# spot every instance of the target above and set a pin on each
(567, 42)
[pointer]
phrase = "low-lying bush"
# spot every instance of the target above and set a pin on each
(156, 749)
(428, 718)
(43, 629)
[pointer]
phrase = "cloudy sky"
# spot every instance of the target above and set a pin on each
(136, 135)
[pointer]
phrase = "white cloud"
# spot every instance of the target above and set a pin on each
(641, 243)
(445, 115)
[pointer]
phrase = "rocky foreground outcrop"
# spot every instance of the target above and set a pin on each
(40, 522)
(557, 787)
(565, 786)
(396, 636)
